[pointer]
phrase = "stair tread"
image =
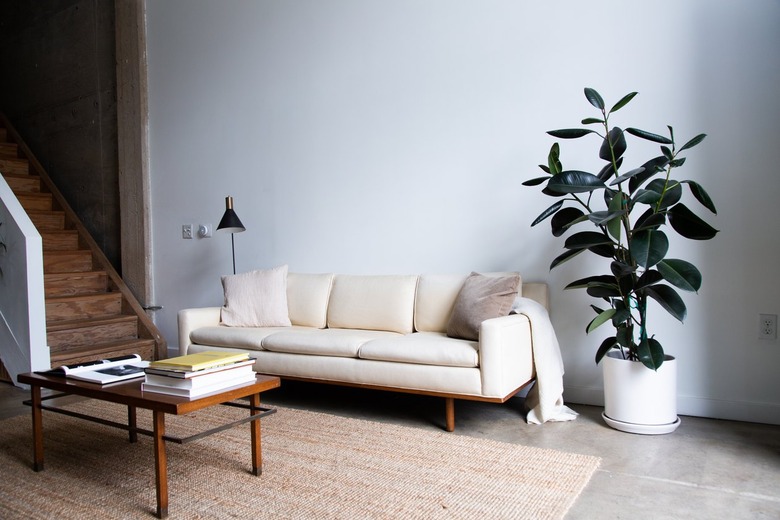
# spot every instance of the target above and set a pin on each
(89, 322)
(15, 175)
(78, 274)
(91, 296)
(103, 350)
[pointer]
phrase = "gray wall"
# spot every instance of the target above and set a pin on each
(59, 90)
(367, 136)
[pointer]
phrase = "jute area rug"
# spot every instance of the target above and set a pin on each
(314, 466)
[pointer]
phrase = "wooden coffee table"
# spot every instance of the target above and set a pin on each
(130, 394)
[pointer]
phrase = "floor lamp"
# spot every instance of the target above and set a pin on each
(230, 222)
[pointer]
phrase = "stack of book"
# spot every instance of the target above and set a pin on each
(198, 374)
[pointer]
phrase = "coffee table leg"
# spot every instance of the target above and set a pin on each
(131, 422)
(257, 451)
(37, 423)
(161, 464)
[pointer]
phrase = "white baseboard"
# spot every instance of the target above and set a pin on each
(766, 413)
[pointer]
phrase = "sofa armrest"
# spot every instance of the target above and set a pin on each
(191, 319)
(505, 354)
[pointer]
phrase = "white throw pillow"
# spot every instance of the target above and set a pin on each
(256, 299)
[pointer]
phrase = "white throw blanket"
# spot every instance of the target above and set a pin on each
(544, 401)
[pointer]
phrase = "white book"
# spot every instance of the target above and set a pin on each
(199, 381)
(197, 392)
(106, 371)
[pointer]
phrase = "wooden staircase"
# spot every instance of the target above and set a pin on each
(90, 313)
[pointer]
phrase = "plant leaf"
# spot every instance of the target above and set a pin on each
(589, 281)
(618, 145)
(652, 167)
(591, 121)
(671, 191)
(601, 218)
(649, 136)
(535, 181)
(648, 247)
(600, 320)
(574, 181)
(606, 345)
(650, 220)
(626, 176)
(564, 219)
(648, 197)
(681, 274)
(701, 195)
(616, 204)
(651, 353)
(549, 211)
(594, 98)
(623, 102)
(570, 133)
(693, 142)
(553, 159)
(568, 255)
(604, 291)
(586, 240)
(689, 225)
(650, 277)
(668, 299)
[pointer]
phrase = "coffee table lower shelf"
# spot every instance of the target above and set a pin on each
(131, 395)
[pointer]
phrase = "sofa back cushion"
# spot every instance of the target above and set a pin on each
(256, 299)
(382, 302)
(307, 298)
(436, 296)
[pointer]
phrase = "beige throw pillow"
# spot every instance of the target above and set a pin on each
(481, 298)
(256, 299)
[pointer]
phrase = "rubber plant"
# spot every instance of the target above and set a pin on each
(628, 211)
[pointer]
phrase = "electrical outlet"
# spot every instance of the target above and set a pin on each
(186, 231)
(204, 230)
(767, 326)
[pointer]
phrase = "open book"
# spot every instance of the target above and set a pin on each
(104, 371)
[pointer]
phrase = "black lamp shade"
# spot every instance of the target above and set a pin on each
(230, 221)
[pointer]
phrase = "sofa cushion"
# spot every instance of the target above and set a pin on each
(307, 298)
(436, 294)
(250, 338)
(256, 299)
(322, 342)
(372, 303)
(425, 348)
(482, 297)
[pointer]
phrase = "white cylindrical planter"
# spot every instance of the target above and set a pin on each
(637, 399)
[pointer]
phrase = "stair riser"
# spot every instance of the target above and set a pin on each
(67, 339)
(14, 166)
(143, 348)
(35, 202)
(75, 284)
(57, 262)
(48, 221)
(84, 307)
(60, 241)
(9, 151)
(26, 184)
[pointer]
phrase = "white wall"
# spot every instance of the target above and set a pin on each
(393, 136)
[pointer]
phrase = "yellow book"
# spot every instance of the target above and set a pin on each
(200, 361)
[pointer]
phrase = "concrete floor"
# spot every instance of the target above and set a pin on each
(707, 469)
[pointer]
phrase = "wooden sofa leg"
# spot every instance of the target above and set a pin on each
(449, 406)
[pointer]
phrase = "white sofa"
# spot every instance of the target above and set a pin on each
(382, 332)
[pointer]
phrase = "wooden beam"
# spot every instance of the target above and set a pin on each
(133, 148)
